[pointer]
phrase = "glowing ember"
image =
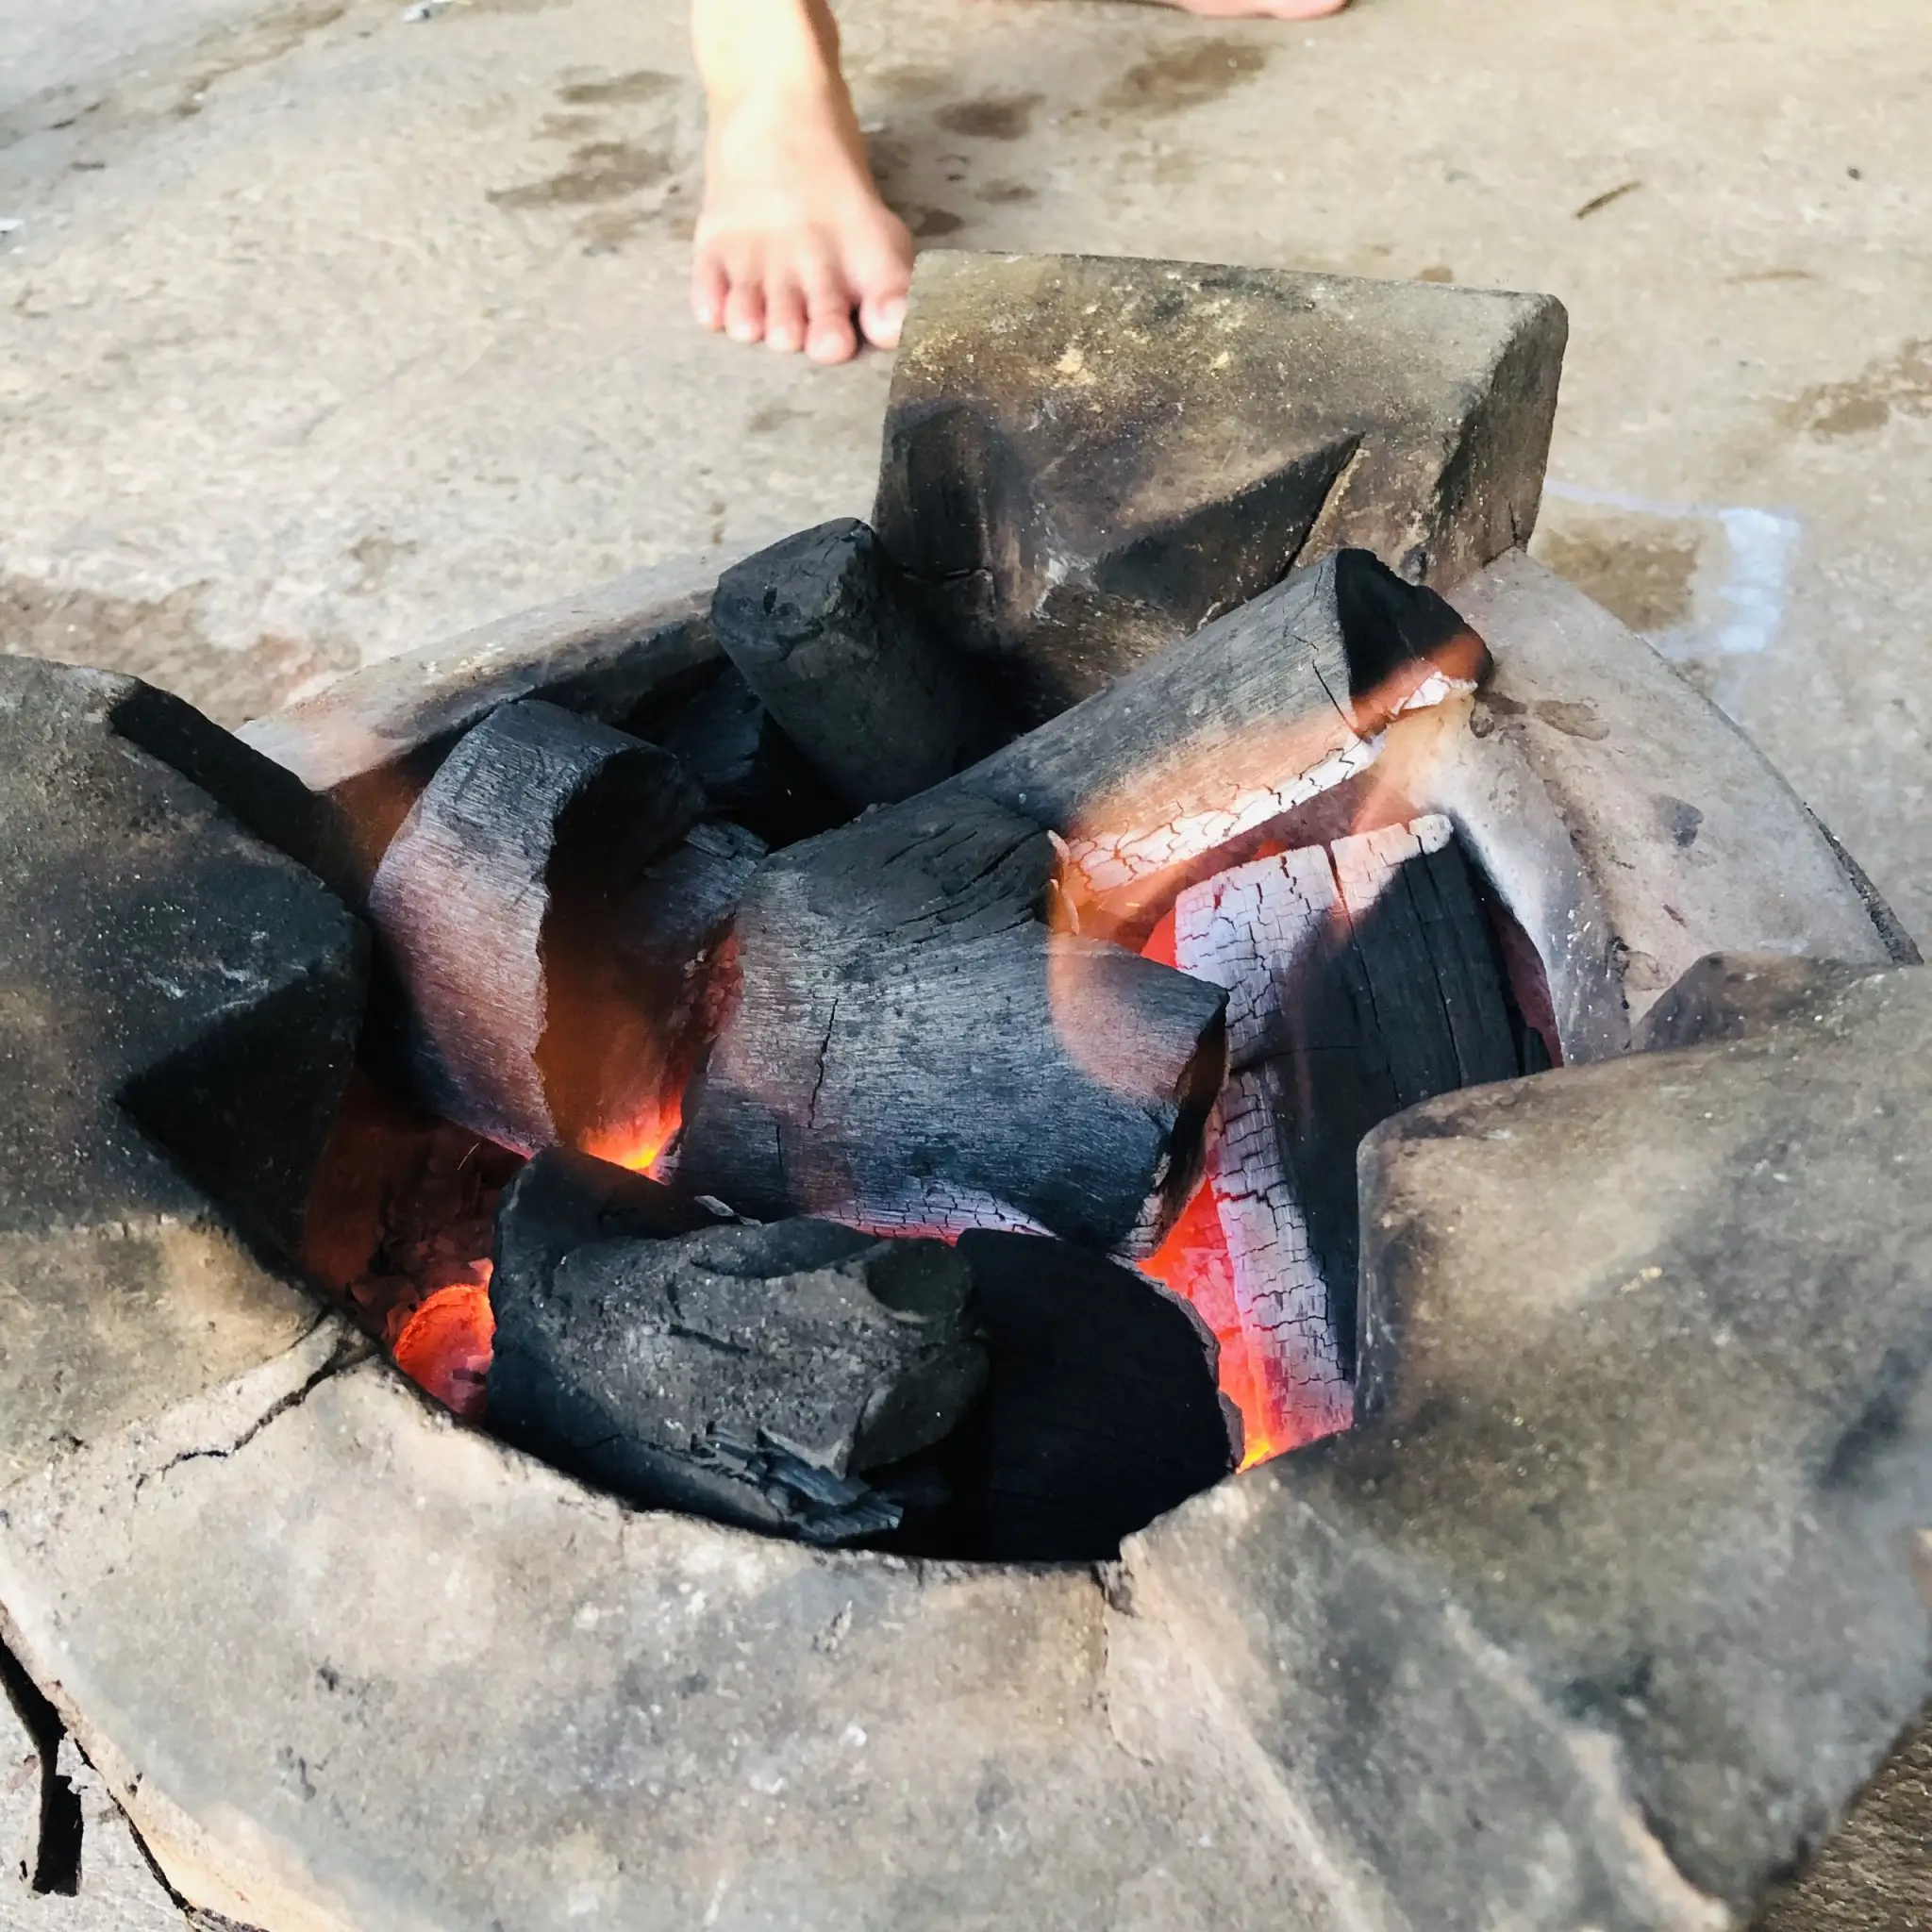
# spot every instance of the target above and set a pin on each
(1194, 1264)
(1241, 1252)
(445, 1346)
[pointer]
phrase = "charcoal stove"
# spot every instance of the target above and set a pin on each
(1189, 698)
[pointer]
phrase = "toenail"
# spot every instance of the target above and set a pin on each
(892, 312)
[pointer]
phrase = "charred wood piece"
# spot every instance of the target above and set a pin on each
(1362, 977)
(910, 1049)
(818, 630)
(1101, 1409)
(751, 772)
(501, 904)
(755, 1375)
(1264, 709)
(636, 976)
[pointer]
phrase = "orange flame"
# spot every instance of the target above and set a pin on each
(641, 1144)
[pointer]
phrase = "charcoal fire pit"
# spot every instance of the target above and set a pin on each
(1156, 1195)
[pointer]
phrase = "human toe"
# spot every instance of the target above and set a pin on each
(829, 334)
(708, 290)
(785, 316)
(882, 318)
(745, 309)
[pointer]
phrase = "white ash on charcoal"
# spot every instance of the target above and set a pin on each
(910, 1047)
(1260, 712)
(818, 629)
(1362, 977)
(548, 911)
(764, 1375)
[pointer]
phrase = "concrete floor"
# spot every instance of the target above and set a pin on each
(326, 330)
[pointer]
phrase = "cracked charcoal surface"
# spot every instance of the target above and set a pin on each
(751, 1373)
(911, 1048)
(1245, 930)
(1275, 932)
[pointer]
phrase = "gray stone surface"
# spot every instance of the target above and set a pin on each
(351, 1665)
(151, 953)
(116, 1888)
(1086, 458)
(1628, 824)
(372, 741)
(1610, 1607)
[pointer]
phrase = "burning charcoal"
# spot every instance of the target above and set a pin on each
(1101, 1411)
(1266, 709)
(911, 1050)
(638, 968)
(815, 626)
(758, 1374)
(1362, 977)
(751, 772)
(514, 904)
(1085, 459)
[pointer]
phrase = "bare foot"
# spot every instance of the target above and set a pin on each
(794, 246)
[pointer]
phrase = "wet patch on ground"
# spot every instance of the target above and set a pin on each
(599, 171)
(1898, 384)
(646, 84)
(1190, 73)
(992, 117)
(1642, 569)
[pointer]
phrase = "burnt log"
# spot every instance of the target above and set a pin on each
(1086, 458)
(1237, 726)
(816, 626)
(1101, 1411)
(755, 1375)
(910, 1049)
(509, 906)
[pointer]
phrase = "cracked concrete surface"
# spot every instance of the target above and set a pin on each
(325, 332)
(613, 1684)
